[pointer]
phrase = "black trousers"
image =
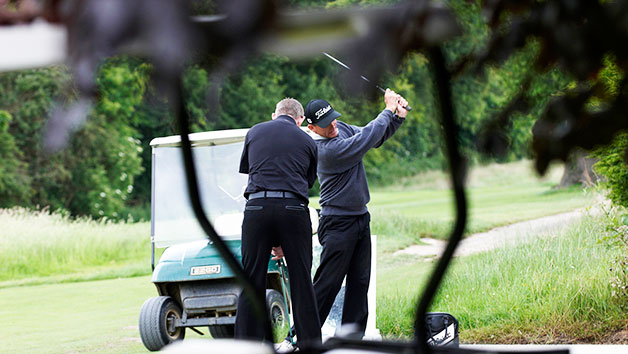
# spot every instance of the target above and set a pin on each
(270, 222)
(346, 242)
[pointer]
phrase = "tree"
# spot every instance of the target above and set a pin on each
(28, 97)
(130, 110)
(14, 181)
(106, 152)
(579, 170)
(612, 158)
(612, 166)
(95, 174)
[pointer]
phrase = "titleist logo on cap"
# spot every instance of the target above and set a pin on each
(322, 111)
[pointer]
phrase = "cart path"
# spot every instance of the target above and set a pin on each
(502, 236)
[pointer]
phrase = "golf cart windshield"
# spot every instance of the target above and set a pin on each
(221, 187)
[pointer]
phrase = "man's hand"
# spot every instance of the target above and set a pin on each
(401, 112)
(391, 98)
(277, 253)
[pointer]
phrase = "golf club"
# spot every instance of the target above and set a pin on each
(407, 108)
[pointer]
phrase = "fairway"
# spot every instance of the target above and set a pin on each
(498, 194)
(489, 207)
(86, 317)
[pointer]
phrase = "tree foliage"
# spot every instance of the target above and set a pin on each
(106, 168)
(612, 158)
(108, 148)
(14, 181)
(94, 175)
(27, 97)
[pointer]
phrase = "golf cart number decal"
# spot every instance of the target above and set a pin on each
(205, 270)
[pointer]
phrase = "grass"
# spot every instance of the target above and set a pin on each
(551, 290)
(84, 317)
(78, 317)
(48, 247)
(497, 195)
(39, 246)
(68, 307)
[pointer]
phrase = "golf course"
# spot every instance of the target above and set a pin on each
(143, 141)
(79, 286)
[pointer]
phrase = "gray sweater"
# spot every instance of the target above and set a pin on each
(344, 189)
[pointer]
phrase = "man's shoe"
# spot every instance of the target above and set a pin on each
(285, 347)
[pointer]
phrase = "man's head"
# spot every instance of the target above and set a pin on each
(290, 107)
(321, 118)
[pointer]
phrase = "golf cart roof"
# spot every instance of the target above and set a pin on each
(212, 138)
(216, 137)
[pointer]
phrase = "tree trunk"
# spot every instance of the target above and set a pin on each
(578, 170)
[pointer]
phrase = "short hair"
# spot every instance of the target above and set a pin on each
(289, 106)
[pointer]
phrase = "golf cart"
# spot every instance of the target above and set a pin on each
(195, 287)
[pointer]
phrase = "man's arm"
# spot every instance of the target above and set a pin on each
(395, 123)
(392, 128)
(337, 155)
(341, 154)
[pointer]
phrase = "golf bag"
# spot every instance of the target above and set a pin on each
(442, 329)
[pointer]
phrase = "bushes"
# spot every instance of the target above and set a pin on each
(613, 167)
(616, 236)
(612, 157)
(94, 175)
(14, 182)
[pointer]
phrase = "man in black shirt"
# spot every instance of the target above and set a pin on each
(280, 160)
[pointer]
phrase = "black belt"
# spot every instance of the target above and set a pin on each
(273, 194)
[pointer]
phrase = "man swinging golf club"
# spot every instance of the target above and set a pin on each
(343, 229)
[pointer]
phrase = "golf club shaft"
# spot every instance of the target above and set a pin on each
(407, 108)
(286, 294)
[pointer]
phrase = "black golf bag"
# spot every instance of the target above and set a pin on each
(442, 329)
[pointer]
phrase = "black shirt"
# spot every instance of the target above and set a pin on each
(279, 156)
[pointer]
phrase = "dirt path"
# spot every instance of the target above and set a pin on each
(501, 236)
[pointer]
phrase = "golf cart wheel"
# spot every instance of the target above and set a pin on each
(277, 309)
(157, 318)
(222, 331)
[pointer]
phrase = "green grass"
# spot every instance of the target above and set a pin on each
(38, 246)
(43, 247)
(551, 290)
(85, 317)
(497, 195)
(494, 294)
(79, 317)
